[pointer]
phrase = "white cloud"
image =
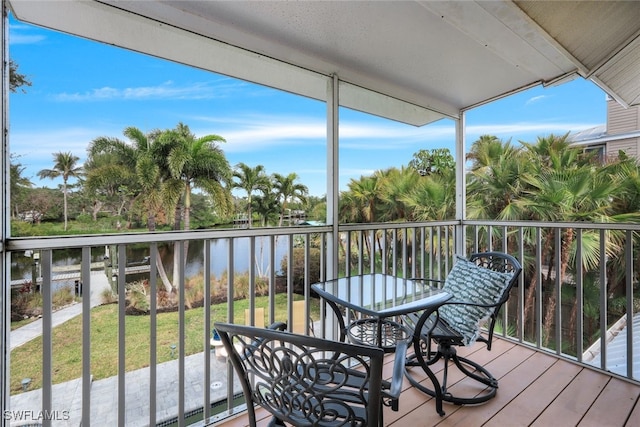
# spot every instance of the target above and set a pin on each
(167, 90)
(24, 34)
(26, 39)
(259, 132)
(536, 99)
(250, 136)
(532, 129)
(34, 150)
(254, 132)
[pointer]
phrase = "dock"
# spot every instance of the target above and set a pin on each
(66, 273)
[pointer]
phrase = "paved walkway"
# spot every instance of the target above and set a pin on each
(67, 397)
(99, 284)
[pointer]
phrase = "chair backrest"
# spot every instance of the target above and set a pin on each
(305, 380)
(500, 262)
(479, 287)
(503, 263)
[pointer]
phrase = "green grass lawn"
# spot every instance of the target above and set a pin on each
(26, 360)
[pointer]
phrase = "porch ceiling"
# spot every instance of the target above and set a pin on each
(412, 61)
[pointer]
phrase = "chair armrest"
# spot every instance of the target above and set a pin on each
(278, 326)
(395, 387)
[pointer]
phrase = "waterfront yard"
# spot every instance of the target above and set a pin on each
(26, 360)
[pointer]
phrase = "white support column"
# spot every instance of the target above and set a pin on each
(5, 271)
(333, 182)
(461, 184)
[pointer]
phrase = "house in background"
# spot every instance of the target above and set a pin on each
(621, 133)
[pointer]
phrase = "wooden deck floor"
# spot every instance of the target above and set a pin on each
(536, 389)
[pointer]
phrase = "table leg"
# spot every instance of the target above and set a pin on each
(341, 324)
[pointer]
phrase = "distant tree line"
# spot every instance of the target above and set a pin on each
(149, 179)
(548, 180)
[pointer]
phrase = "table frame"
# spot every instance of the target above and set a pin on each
(418, 296)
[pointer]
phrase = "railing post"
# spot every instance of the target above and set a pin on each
(5, 297)
(461, 186)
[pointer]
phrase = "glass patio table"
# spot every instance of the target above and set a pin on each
(368, 307)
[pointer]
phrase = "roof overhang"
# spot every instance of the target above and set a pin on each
(411, 61)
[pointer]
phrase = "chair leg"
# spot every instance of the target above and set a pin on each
(436, 392)
(449, 356)
(276, 422)
(481, 375)
(486, 378)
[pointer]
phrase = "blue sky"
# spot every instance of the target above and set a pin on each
(83, 90)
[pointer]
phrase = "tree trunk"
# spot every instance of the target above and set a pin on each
(382, 254)
(572, 323)
(64, 197)
(97, 205)
(121, 206)
(284, 209)
(177, 217)
(176, 265)
(531, 290)
(553, 299)
(163, 274)
(367, 246)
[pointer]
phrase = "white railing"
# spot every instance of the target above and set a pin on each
(559, 305)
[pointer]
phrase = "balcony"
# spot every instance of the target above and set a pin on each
(549, 351)
(573, 313)
(535, 389)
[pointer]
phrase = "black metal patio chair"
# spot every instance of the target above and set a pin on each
(480, 286)
(308, 381)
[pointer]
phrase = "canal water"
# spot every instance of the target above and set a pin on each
(25, 265)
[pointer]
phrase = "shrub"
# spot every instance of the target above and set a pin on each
(108, 296)
(84, 218)
(241, 286)
(137, 301)
(194, 292)
(299, 268)
(63, 296)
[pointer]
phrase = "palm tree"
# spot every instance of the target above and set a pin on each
(433, 197)
(19, 184)
(153, 191)
(288, 190)
(65, 166)
(266, 207)
(194, 162)
(394, 184)
(494, 179)
(191, 162)
(360, 204)
(120, 167)
(360, 201)
(548, 181)
(250, 179)
(128, 169)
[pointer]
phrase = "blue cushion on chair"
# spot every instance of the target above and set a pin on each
(471, 283)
